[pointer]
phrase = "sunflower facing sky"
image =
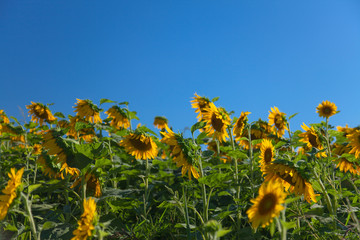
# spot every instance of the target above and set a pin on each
(311, 138)
(278, 119)
(179, 149)
(200, 104)
(9, 192)
(86, 109)
(119, 117)
(239, 125)
(40, 113)
(267, 152)
(140, 146)
(217, 122)
(86, 223)
(326, 109)
(267, 205)
(291, 179)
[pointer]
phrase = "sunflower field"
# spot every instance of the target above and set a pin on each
(87, 177)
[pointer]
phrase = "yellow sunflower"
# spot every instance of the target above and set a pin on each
(40, 113)
(267, 153)
(311, 138)
(239, 125)
(326, 109)
(14, 134)
(278, 119)
(217, 122)
(55, 147)
(290, 179)
(267, 205)
(346, 130)
(3, 118)
(37, 149)
(140, 146)
(86, 109)
(200, 104)
(354, 142)
(45, 164)
(119, 117)
(86, 222)
(9, 192)
(160, 122)
(87, 133)
(177, 146)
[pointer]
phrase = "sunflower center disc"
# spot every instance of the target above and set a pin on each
(267, 204)
(278, 122)
(217, 123)
(139, 145)
(268, 155)
(327, 110)
(312, 140)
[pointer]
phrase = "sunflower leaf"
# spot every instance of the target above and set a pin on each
(104, 100)
(197, 126)
(293, 115)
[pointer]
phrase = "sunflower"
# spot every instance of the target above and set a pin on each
(179, 150)
(3, 118)
(9, 192)
(86, 109)
(36, 149)
(87, 133)
(354, 142)
(311, 138)
(86, 222)
(267, 205)
(15, 134)
(140, 146)
(40, 113)
(239, 125)
(267, 152)
(291, 179)
(56, 147)
(259, 130)
(92, 183)
(200, 104)
(160, 122)
(217, 122)
(278, 119)
(45, 163)
(346, 130)
(119, 117)
(326, 109)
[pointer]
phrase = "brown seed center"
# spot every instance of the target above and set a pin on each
(216, 122)
(140, 145)
(312, 140)
(279, 124)
(268, 155)
(267, 204)
(326, 110)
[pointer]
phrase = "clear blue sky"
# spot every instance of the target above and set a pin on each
(156, 54)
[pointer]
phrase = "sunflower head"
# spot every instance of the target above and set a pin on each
(200, 104)
(267, 153)
(160, 122)
(40, 113)
(278, 119)
(86, 131)
(120, 118)
(293, 178)
(354, 142)
(86, 222)
(140, 145)
(345, 130)
(326, 109)
(267, 205)
(217, 121)
(240, 124)
(86, 109)
(3, 118)
(312, 139)
(182, 152)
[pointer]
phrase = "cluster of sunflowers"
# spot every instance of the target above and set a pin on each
(279, 167)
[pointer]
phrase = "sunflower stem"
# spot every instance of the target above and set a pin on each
(251, 160)
(218, 153)
(186, 213)
(146, 187)
(30, 216)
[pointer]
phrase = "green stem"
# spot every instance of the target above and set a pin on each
(30, 216)
(251, 160)
(186, 214)
(146, 187)
(218, 153)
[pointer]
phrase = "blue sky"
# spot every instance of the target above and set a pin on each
(156, 54)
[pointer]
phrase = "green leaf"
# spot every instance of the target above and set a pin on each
(272, 228)
(59, 115)
(47, 225)
(215, 99)
(81, 125)
(102, 162)
(293, 116)
(104, 100)
(197, 126)
(222, 232)
(33, 187)
(288, 225)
